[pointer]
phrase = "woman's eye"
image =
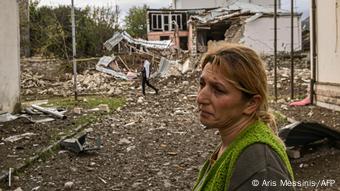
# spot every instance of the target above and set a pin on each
(201, 83)
(219, 90)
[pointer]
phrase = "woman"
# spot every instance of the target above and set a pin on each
(233, 99)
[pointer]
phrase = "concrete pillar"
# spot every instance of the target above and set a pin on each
(9, 56)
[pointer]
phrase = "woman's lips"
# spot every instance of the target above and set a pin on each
(205, 113)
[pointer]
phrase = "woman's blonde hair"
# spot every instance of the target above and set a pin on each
(245, 69)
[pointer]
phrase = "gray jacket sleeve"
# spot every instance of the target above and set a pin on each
(259, 168)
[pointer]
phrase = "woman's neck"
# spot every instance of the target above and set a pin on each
(228, 134)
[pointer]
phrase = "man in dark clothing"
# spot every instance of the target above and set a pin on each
(146, 76)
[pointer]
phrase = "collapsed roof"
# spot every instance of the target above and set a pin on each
(119, 36)
(235, 9)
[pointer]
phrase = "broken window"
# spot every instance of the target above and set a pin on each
(178, 19)
(183, 42)
(164, 38)
(166, 22)
(156, 22)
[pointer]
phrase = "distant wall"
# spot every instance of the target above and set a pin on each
(193, 4)
(266, 3)
(259, 34)
(9, 56)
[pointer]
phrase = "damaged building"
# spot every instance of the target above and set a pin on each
(126, 49)
(250, 23)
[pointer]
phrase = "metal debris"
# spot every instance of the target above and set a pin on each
(49, 111)
(76, 144)
(117, 37)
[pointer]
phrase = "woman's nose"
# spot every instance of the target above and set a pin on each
(203, 95)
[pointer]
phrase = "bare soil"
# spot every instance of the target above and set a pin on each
(152, 143)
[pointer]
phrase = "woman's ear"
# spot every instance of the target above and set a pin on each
(252, 104)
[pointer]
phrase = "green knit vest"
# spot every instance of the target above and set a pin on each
(219, 175)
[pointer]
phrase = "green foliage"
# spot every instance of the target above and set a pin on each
(51, 32)
(135, 21)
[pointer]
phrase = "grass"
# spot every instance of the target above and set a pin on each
(86, 102)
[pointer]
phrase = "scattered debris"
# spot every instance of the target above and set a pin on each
(124, 141)
(7, 117)
(103, 66)
(49, 111)
(76, 144)
(104, 107)
(18, 137)
(78, 110)
(68, 185)
(304, 133)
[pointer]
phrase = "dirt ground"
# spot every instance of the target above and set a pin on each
(152, 143)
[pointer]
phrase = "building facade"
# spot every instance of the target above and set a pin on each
(9, 56)
(238, 22)
(325, 52)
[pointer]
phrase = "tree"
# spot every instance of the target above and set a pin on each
(24, 28)
(135, 21)
(50, 30)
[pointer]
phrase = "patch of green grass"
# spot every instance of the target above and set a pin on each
(86, 102)
(87, 119)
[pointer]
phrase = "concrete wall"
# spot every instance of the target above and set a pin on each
(157, 36)
(193, 4)
(266, 3)
(259, 34)
(328, 42)
(9, 56)
(328, 54)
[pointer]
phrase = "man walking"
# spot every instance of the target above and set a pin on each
(146, 76)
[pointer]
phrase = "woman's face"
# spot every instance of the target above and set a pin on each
(220, 102)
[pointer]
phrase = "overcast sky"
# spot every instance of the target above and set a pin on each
(125, 5)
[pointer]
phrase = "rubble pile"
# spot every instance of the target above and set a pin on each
(89, 82)
(302, 73)
(96, 82)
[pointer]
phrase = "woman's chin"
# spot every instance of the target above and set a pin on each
(206, 124)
